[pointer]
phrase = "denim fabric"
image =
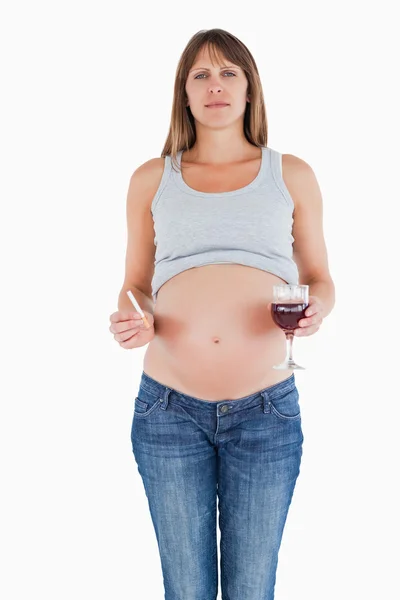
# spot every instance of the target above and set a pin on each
(246, 453)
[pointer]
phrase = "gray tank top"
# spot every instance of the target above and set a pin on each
(251, 226)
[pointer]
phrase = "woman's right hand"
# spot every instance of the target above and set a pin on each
(129, 331)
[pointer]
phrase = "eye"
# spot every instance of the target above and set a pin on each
(225, 72)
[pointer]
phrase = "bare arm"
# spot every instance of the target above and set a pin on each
(309, 248)
(140, 251)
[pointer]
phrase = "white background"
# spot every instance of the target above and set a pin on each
(87, 91)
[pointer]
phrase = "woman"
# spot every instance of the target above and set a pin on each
(212, 225)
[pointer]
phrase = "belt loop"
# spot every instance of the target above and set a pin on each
(267, 406)
(164, 400)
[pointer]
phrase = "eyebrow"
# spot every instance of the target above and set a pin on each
(205, 68)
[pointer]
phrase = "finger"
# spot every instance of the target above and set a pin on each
(309, 321)
(304, 331)
(127, 335)
(122, 326)
(121, 316)
(312, 310)
(305, 322)
(136, 331)
(126, 343)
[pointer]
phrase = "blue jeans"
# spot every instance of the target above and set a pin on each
(246, 453)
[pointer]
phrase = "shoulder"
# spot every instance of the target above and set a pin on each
(150, 169)
(147, 177)
(298, 177)
(294, 165)
(144, 183)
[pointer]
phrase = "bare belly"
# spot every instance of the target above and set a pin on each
(214, 335)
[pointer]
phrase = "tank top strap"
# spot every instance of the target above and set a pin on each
(275, 163)
(277, 174)
(164, 180)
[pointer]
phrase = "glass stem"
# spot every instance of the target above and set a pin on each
(289, 346)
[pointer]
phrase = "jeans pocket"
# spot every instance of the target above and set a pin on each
(145, 403)
(286, 407)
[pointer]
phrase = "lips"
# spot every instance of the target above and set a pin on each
(217, 104)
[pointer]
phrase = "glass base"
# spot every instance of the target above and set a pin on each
(288, 365)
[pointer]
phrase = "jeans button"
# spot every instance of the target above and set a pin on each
(224, 408)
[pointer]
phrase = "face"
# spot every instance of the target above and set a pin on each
(207, 83)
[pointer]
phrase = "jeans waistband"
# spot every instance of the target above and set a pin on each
(272, 392)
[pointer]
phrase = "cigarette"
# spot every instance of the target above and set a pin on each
(136, 305)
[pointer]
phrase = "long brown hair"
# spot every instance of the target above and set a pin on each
(220, 43)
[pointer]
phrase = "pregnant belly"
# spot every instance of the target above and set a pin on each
(214, 334)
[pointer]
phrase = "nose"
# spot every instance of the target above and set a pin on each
(215, 88)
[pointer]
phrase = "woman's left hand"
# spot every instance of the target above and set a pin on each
(313, 319)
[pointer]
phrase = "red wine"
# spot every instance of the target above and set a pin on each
(287, 315)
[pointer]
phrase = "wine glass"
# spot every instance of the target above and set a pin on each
(289, 305)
